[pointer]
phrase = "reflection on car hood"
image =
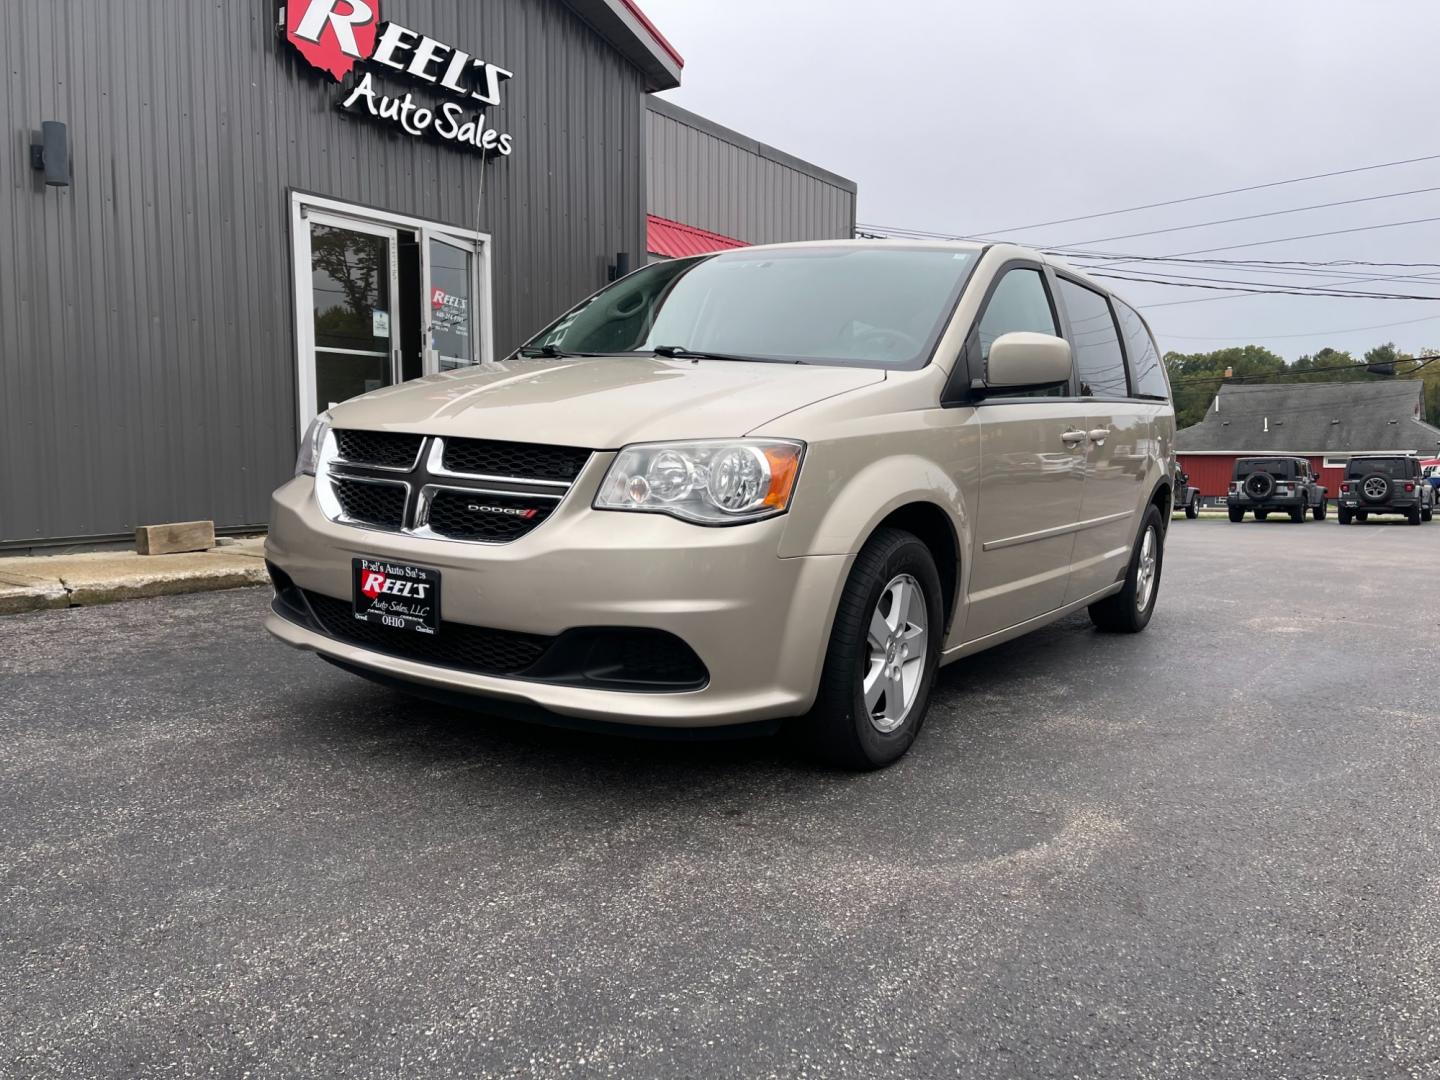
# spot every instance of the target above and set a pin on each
(601, 403)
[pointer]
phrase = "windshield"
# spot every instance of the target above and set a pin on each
(1274, 466)
(879, 306)
(1395, 468)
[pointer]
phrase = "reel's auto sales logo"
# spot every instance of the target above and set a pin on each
(337, 35)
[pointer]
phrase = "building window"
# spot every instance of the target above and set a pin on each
(1336, 462)
(1096, 341)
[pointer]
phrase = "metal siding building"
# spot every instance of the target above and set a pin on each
(155, 314)
(715, 179)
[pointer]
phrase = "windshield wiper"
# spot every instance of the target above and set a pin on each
(554, 352)
(680, 352)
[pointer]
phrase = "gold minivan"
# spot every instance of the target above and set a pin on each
(775, 484)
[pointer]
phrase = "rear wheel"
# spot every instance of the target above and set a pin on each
(884, 649)
(1129, 610)
(1236, 514)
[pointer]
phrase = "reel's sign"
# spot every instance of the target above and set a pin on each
(336, 35)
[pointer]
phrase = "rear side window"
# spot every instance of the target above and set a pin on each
(1147, 370)
(1096, 341)
(1019, 303)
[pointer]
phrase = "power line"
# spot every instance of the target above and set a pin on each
(1311, 334)
(1218, 194)
(1260, 288)
(1252, 217)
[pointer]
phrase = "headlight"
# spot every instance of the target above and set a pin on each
(312, 446)
(722, 482)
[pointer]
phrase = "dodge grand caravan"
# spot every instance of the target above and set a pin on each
(778, 483)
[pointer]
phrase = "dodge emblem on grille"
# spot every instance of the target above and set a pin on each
(511, 511)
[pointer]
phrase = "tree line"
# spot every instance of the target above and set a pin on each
(1196, 377)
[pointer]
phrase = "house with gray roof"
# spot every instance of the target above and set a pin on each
(1325, 422)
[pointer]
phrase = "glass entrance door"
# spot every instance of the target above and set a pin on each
(452, 341)
(352, 311)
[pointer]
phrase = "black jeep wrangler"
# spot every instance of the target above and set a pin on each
(1275, 484)
(1187, 497)
(1385, 484)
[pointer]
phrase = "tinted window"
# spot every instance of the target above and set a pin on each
(1396, 468)
(1281, 467)
(1147, 370)
(1098, 359)
(1019, 303)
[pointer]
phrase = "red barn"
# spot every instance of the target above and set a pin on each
(1325, 422)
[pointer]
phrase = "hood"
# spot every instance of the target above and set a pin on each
(601, 403)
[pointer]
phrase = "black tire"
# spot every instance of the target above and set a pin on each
(1426, 514)
(1122, 613)
(1413, 516)
(1362, 516)
(1192, 511)
(1262, 515)
(838, 729)
(1382, 494)
(1343, 514)
(1321, 509)
(1297, 515)
(1236, 514)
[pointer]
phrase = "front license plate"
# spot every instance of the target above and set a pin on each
(397, 595)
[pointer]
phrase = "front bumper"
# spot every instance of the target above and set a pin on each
(758, 622)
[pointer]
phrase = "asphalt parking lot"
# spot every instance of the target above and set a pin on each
(1211, 850)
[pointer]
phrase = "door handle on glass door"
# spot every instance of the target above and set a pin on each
(1099, 435)
(1072, 439)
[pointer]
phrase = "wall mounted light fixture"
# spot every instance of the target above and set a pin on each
(51, 155)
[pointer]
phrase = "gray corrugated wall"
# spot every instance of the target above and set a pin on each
(147, 357)
(705, 176)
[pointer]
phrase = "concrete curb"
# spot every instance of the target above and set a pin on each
(62, 581)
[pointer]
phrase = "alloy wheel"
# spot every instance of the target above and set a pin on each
(1145, 572)
(898, 641)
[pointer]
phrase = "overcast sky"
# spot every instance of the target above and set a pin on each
(965, 117)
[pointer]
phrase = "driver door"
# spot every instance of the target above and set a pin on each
(1032, 474)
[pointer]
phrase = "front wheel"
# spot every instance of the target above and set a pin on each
(1297, 515)
(1261, 515)
(1426, 514)
(1129, 610)
(884, 649)
(1236, 515)
(1414, 515)
(1362, 516)
(1192, 511)
(1321, 510)
(1344, 515)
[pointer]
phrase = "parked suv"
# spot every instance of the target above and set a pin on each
(773, 483)
(1187, 496)
(1385, 484)
(1266, 485)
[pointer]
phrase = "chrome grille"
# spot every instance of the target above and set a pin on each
(486, 491)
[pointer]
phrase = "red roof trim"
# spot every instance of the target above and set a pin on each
(676, 240)
(654, 31)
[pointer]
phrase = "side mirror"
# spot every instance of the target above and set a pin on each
(1023, 360)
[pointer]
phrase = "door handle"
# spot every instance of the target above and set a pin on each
(1099, 435)
(1073, 439)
